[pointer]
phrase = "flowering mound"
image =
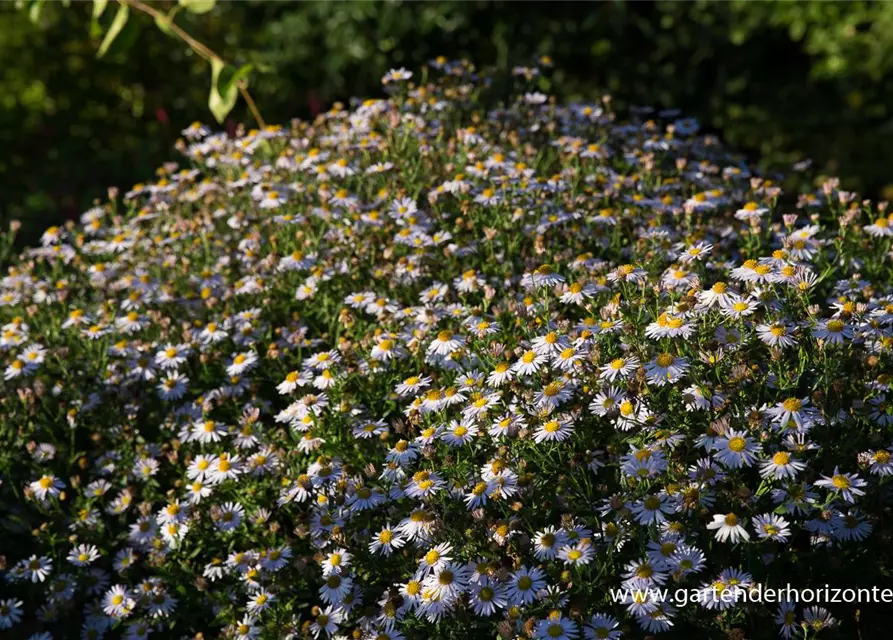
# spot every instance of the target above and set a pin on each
(424, 370)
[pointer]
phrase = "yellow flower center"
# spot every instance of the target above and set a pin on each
(841, 482)
(835, 326)
(664, 360)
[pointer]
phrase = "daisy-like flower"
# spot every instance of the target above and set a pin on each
(736, 450)
(459, 433)
(652, 510)
(556, 429)
(776, 334)
(834, 331)
(524, 585)
(553, 395)
(413, 385)
(880, 228)
(851, 526)
(556, 627)
(781, 466)
(445, 343)
(396, 75)
(818, 618)
(881, 462)
(728, 527)
(772, 527)
(578, 293)
(364, 498)
(173, 386)
(751, 211)
(602, 627)
(665, 369)
(436, 558)
(529, 363)
(786, 619)
(117, 602)
(547, 542)
(847, 485)
(542, 276)
(717, 295)
(487, 598)
(618, 367)
(171, 356)
(669, 326)
(695, 252)
(36, 568)
(386, 541)
(260, 601)
(230, 516)
(737, 307)
(83, 555)
(578, 554)
(501, 374)
(241, 363)
(47, 486)
(10, 613)
(792, 410)
(448, 581)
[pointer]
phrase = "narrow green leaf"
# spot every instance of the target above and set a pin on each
(117, 24)
(198, 6)
(98, 7)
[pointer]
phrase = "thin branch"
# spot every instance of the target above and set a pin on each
(243, 89)
(199, 48)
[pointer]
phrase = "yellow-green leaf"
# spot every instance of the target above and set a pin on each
(98, 7)
(224, 93)
(164, 22)
(34, 10)
(198, 6)
(117, 24)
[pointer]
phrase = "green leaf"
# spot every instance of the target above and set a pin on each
(34, 10)
(98, 7)
(164, 22)
(198, 6)
(117, 24)
(224, 93)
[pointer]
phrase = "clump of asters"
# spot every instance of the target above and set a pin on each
(437, 367)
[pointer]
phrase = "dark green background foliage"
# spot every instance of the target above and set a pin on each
(779, 81)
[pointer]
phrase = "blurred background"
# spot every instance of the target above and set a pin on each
(780, 82)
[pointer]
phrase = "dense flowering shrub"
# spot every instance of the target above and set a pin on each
(420, 369)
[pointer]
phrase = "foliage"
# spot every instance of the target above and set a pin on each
(827, 101)
(428, 367)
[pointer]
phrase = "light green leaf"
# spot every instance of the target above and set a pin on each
(98, 7)
(224, 93)
(34, 10)
(164, 22)
(117, 24)
(198, 6)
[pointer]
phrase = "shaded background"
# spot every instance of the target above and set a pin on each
(780, 82)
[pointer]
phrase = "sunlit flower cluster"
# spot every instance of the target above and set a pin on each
(441, 367)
